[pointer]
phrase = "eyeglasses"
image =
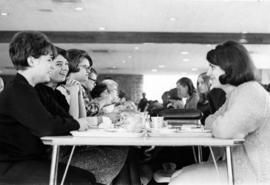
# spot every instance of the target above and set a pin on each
(95, 81)
(87, 68)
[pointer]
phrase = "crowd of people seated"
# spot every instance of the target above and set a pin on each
(56, 91)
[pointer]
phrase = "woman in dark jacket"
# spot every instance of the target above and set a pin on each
(24, 119)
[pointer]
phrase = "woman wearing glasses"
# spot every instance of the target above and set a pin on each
(104, 162)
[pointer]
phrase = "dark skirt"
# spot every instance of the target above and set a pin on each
(37, 172)
(105, 162)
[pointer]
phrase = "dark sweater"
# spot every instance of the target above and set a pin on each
(24, 119)
(54, 101)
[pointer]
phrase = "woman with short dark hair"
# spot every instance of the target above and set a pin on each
(99, 91)
(104, 162)
(245, 114)
(75, 57)
(23, 118)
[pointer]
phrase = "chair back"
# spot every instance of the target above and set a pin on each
(178, 117)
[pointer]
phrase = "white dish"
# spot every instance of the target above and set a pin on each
(106, 133)
(180, 133)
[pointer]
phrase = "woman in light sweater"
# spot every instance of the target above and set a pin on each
(245, 114)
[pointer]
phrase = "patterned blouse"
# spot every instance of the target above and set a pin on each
(92, 108)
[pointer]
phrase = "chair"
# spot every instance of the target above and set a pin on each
(177, 118)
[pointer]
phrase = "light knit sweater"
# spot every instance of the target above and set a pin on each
(246, 114)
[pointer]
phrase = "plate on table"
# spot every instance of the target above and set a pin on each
(112, 132)
(167, 132)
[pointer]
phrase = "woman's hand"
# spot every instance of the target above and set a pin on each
(114, 116)
(73, 86)
(83, 124)
(92, 121)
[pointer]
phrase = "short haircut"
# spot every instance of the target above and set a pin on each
(234, 59)
(186, 82)
(98, 89)
(61, 52)
(74, 57)
(29, 43)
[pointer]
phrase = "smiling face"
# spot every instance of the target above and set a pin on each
(84, 69)
(59, 69)
(41, 68)
(215, 72)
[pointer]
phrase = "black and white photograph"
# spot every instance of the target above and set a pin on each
(134, 92)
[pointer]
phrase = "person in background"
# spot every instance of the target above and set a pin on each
(165, 99)
(203, 87)
(142, 103)
(187, 90)
(2, 84)
(113, 89)
(210, 99)
(245, 114)
(23, 118)
(100, 91)
(123, 97)
(175, 100)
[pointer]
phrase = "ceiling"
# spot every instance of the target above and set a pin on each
(141, 36)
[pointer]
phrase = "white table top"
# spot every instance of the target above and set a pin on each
(140, 141)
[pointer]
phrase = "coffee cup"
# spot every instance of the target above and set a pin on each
(157, 122)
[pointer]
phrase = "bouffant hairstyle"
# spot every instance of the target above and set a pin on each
(234, 59)
(29, 44)
(186, 82)
(61, 52)
(74, 57)
(98, 89)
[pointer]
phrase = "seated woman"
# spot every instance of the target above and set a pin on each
(100, 91)
(203, 87)
(175, 99)
(245, 114)
(210, 99)
(23, 118)
(50, 95)
(105, 162)
(188, 91)
(90, 83)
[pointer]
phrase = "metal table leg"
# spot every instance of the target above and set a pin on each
(200, 157)
(229, 165)
(54, 165)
